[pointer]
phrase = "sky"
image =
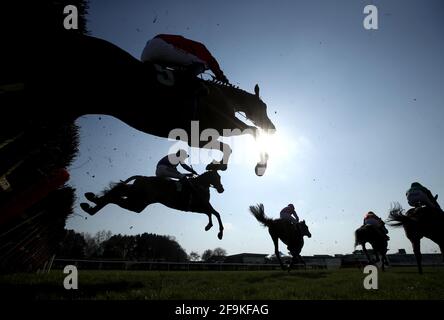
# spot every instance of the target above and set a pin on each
(359, 116)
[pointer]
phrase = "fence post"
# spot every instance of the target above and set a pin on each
(50, 263)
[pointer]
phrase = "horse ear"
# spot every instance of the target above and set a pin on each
(256, 90)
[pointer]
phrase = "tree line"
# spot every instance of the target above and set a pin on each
(140, 247)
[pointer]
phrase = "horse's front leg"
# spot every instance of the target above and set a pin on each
(416, 242)
(219, 220)
(291, 263)
(225, 148)
(210, 222)
(377, 257)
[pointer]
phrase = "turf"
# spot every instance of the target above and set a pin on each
(395, 283)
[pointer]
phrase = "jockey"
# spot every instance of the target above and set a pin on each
(177, 51)
(371, 218)
(288, 212)
(419, 195)
(167, 166)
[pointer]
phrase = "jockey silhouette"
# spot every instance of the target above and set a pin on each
(371, 218)
(167, 166)
(175, 51)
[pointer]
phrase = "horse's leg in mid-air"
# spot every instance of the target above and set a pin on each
(221, 146)
(210, 222)
(416, 243)
(92, 197)
(219, 220)
(114, 195)
(92, 210)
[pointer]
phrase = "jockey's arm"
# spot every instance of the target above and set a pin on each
(295, 216)
(187, 168)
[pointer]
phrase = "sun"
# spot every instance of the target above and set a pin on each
(276, 145)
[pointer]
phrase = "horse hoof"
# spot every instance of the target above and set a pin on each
(86, 207)
(90, 196)
(208, 227)
(260, 169)
(220, 235)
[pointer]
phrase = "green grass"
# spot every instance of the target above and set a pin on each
(396, 283)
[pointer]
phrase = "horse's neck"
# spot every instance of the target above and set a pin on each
(201, 181)
(240, 99)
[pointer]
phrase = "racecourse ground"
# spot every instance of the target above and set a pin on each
(395, 283)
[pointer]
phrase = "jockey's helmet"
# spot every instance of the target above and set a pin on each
(182, 154)
(291, 206)
(370, 214)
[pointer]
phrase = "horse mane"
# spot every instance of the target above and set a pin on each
(226, 85)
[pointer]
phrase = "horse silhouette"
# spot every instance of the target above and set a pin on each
(192, 196)
(419, 222)
(101, 78)
(285, 231)
(370, 233)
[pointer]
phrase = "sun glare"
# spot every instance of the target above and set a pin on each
(276, 145)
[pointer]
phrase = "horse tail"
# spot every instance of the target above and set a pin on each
(131, 179)
(259, 213)
(114, 188)
(396, 216)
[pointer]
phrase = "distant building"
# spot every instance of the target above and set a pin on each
(258, 258)
(356, 259)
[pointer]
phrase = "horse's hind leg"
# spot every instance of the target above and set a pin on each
(92, 197)
(276, 250)
(91, 210)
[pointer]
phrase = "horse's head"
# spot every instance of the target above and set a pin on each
(304, 229)
(256, 111)
(212, 178)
